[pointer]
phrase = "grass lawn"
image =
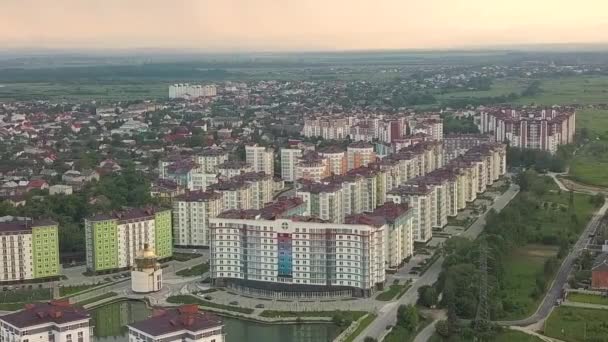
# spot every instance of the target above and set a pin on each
(400, 334)
(364, 323)
(570, 90)
(25, 296)
(85, 91)
(590, 163)
(185, 256)
(577, 324)
(588, 298)
(506, 335)
(70, 290)
(350, 315)
(393, 291)
(187, 299)
(595, 120)
(197, 270)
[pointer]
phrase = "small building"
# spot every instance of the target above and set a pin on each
(47, 322)
(60, 189)
(185, 323)
(599, 275)
(146, 275)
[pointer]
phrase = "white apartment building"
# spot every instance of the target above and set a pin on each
(312, 170)
(191, 214)
(232, 168)
(336, 157)
(260, 158)
(423, 202)
(191, 91)
(210, 158)
(185, 323)
(324, 201)
(297, 255)
(47, 322)
(289, 159)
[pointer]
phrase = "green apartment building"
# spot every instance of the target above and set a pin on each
(113, 240)
(30, 250)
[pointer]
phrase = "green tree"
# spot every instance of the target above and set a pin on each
(427, 296)
(407, 317)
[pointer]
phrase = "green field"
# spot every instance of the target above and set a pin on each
(197, 270)
(499, 87)
(587, 298)
(521, 268)
(570, 90)
(504, 336)
(394, 290)
(577, 324)
(84, 91)
(595, 120)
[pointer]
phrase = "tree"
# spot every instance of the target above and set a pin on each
(427, 296)
(443, 328)
(407, 317)
(369, 339)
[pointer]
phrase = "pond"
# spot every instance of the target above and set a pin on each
(110, 325)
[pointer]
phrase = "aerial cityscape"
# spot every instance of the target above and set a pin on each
(302, 185)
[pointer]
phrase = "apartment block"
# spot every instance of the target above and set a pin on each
(30, 250)
(336, 156)
(191, 214)
(289, 159)
(113, 240)
(422, 199)
(260, 158)
(359, 154)
(323, 200)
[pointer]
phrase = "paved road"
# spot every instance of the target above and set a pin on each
(555, 291)
(387, 315)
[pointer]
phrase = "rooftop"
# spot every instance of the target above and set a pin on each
(24, 225)
(58, 312)
(186, 317)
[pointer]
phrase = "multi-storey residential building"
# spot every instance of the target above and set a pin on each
(236, 194)
(359, 154)
(289, 159)
(185, 323)
(233, 168)
(191, 91)
(336, 157)
(422, 200)
(323, 200)
(327, 128)
(296, 256)
(398, 235)
(455, 145)
(260, 158)
(29, 249)
(113, 240)
(47, 322)
(210, 158)
(191, 214)
(312, 169)
(535, 128)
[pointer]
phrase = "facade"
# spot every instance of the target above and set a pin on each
(185, 323)
(312, 169)
(296, 255)
(146, 275)
(289, 159)
(113, 240)
(47, 322)
(230, 169)
(536, 128)
(260, 158)
(190, 91)
(60, 189)
(336, 157)
(324, 201)
(210, 158)
(191, 213)
(30, 250)
(359, 154)
(421, 199)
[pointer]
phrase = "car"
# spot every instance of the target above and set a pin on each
(234, 302)
(208, 298)
(259, 306)
(413, 272)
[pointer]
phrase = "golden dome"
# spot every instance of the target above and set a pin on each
(146, 253)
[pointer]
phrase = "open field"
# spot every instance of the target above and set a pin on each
(588, 298)
(521, 269)
(499, 87)
(504, 336)
(577, 324)
(590, 163)
(570, 90)
(595, 120)
(84, 91)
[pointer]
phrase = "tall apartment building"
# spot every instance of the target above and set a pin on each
(323, 200)
(47, 322)
(328, 128)
(296, 255)
(113, 240)
(455, 145)
(185, 323)
(312, 169)
(260, 158)
(210, 158)
(190, 91)
(289, 159)
(536, 128)
(359, 154)
(191, 214)
(29, 250)
(233, 168)
(336, 157)
(422, 199)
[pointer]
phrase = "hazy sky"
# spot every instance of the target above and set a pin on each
(299, 24)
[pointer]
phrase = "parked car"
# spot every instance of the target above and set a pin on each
(234, 303)
(259, 306)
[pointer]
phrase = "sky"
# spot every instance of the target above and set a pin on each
(296, 25)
